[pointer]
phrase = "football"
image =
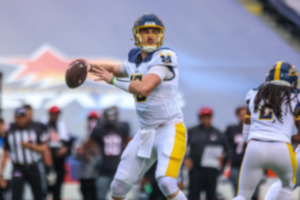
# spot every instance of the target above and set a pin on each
(76, 73)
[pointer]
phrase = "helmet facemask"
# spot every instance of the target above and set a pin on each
(141, 39)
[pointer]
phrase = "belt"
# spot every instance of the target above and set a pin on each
(258, 140)
(20, 165)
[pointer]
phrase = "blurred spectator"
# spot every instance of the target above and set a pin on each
(25, 146)
(237, 145)
(111, 138)
(88, 157)
(207, 150)
(59, 143)
(5, 193)
(45, 166)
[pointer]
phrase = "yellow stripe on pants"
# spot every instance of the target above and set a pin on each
(178, 151)
(293, 160)
(238, 188)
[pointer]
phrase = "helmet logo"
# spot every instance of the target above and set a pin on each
(292, 72)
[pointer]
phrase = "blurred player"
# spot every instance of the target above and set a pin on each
(272, 110)
(154, 83)
(111, 138)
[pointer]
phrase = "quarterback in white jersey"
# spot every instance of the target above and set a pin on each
(272, 112)
(162, 136)
(162, 105)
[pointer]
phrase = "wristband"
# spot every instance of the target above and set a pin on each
(112, 81)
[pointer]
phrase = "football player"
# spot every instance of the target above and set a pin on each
(153, 81)
(273, 110)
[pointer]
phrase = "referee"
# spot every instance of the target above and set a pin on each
(25, 147)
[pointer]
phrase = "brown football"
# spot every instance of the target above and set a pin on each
(76, 73)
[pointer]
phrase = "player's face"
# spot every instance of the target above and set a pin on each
(29, 114)
(92, 122)
(206, 120)
(149, 36)
(241, 114)
(53, 117)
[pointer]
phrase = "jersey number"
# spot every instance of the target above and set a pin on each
(139, 77)
(112, 145)
(239, 141)
(265, 113)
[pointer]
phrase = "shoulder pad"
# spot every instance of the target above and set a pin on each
(133, 54)
(165, 57)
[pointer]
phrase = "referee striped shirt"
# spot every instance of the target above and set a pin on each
(19, 154)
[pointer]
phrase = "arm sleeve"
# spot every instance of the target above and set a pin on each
(123, 69)
(6, 144)
(162, 71)
(229, 142)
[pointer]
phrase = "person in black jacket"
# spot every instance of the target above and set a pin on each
(207, 151)
(59, 143)
(237, 145)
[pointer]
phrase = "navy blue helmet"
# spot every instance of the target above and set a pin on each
(283, 73)
(148, 21)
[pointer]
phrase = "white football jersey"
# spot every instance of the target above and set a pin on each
(264, 123)
(163, 105)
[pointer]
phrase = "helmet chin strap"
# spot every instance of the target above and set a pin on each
(149, 49)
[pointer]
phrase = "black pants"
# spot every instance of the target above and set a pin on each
(29, 174)
(88, 189)
(203, 179)
(56, 188)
